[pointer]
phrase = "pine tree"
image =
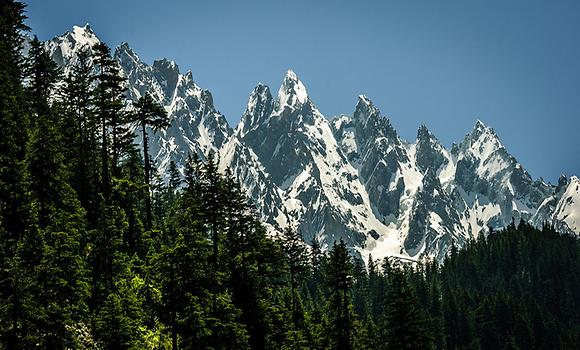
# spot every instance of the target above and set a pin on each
(61, 272)
(296, 264)
(149, 114)
(405, 325)
(174, 182)
(315, 280)
(109, 109)
(16, 210)
(45, 159)
(199, 308)
(129, 192)
(80, 130)
(339, 280)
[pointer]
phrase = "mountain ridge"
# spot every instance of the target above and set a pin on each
(349, 177)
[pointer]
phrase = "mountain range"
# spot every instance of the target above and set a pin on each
(349, 177)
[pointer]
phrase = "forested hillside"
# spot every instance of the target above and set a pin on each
(96, 252)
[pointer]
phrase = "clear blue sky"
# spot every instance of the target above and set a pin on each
(513, 64)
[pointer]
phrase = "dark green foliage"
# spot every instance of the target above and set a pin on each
(17, 212)
(149, 114)
(295, 257)
(97, 251)
(515, 287)
(405, 324)
(341, 320)
(80, 132)
(108, 101)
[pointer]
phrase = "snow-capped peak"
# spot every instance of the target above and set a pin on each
(66, 46)
(423, 133)
(84, 30)
(82, 36)
(125, 50)
(258, 109)
(567, 210)
(480, 129)
(365, 108)
(482, 141)
(292, 92)
(165, 64)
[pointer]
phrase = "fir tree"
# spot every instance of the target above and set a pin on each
(405, 325)
(296, 264)
(339, 280)
(149, 114)
(80, 130)
(109, 110)
(17, 212)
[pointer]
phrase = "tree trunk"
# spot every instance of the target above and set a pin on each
(147, 179)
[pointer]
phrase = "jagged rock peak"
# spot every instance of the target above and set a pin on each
(480, 129)
(82, 35)
(260, 94)
(562, 182)
(169, 71)
(365, 109)
(423, 133)
(85, 30)
(481, 142)
(292, 92)
(207, 97)
(165, 65)
(426, 137)
(259, 108)
(125, 50)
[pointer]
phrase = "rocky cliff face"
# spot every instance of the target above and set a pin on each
(351, 177)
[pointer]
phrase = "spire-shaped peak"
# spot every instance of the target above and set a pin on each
(168, 69)
(292, 92)
(423, 133)
(165, 64)
(364, 100)
(125, 48)
(479, 124)
(365, 109)
(67, 46)
(259, 108)
(481, 142)
(480, 128)
(82, 36)
(128, 59)
(261, 94)
(261, 88)
(85, 30)
(429, 153)
(291, 75)
(426, 136)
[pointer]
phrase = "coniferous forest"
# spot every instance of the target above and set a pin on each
(98, 252)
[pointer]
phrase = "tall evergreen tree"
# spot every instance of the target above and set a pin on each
(109, 109)
(405, 325)
(149, 114)
(80, 131)
(296, 256)
(339, 280)
(16, 210)
(61, 273)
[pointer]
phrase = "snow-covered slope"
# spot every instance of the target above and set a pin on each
(351, 177)
(562, 208)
